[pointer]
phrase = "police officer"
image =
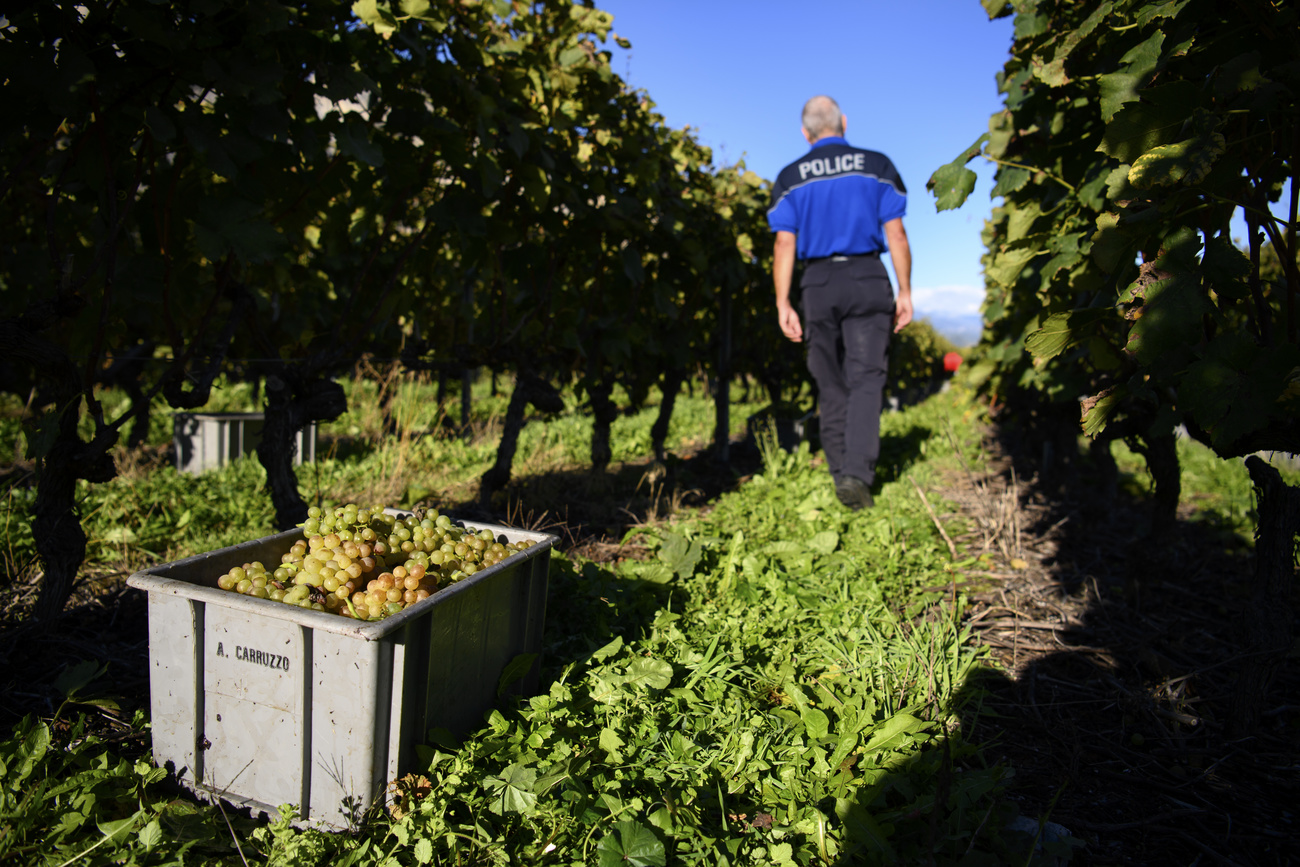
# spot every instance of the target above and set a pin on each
(836, 209)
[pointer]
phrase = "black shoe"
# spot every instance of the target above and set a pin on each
(854, 493)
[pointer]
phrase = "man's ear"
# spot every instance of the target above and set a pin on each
(844, 124)
(806, 137)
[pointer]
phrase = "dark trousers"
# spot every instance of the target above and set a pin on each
(848, 310)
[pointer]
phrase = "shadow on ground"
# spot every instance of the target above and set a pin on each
(1116, 660)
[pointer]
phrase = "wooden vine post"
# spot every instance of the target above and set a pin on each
(722, 395)
(1266, 622)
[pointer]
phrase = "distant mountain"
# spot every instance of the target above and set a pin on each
(962, 329)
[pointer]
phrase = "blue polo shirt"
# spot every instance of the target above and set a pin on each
(837, 199)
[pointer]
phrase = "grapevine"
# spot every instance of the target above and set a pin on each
(1117, 297)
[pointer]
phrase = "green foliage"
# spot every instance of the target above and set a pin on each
(275, 189)
(1219, 491)
(146, 517)
(1132, 133)
(775, 684)
(67, 797)
(916, 357)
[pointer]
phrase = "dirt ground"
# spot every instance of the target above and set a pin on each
(1109, 671)
(1112, 665)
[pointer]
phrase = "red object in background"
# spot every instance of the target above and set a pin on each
(951, 362)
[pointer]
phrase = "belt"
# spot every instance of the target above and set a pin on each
(872, 255)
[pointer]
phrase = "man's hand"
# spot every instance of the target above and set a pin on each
(789, 321)
(902, 312)
(901, 253)
(783, 253)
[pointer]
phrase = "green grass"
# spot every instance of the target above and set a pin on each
(1217, 492)
(154, 514)
(777, 681)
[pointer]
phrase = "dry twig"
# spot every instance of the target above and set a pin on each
(952, 549)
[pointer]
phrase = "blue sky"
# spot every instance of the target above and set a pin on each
(915, 79)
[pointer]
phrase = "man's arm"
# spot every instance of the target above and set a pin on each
(782, 273)
(901, 254)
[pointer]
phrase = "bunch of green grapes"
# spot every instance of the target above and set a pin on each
(368, 564)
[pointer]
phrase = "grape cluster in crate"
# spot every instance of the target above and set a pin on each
(369, 563)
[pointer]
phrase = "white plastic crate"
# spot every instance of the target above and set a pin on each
(207, 440)
(263, 703)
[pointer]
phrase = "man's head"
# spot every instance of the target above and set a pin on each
(822, 117)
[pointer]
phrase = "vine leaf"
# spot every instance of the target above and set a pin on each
(1117, 185)
(1063, 330)
(377, 16)
(1053, 73)
(953, 183)
(1010, 179)
(1187, 161)
(1020, 223)
(1237, 387)
(1226, 268)
(1066, 248)
(1169, 321)
(416, 8)
(1117, 235)
(1121, 87)
(1007, 266)
(1151, 11)
(1238, 75)
(1096, 411)
(996, 8)
(1156, 120)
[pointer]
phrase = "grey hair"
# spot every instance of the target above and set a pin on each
(822, 117)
